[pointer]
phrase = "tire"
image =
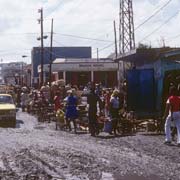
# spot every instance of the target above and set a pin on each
(12, 124)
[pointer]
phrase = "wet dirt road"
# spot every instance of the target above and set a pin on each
(36, 151)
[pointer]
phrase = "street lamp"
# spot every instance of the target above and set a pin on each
(24, 56)
(44, 37)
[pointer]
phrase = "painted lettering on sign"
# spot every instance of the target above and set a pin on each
(98, 65)
(84, 65)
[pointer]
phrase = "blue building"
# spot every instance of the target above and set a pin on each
(57, 52)
(154, 70)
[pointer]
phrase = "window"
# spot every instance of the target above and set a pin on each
(6, 100)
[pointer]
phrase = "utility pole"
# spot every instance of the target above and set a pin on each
(115, 39)
(22, 74)
(116, 54)
(50, 55)
(97, 54)
(42, 48)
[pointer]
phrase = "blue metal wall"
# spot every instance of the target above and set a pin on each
(58, 52)
(141, 90)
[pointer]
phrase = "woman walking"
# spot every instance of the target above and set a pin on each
(114, 110)
(172, 113)
(71, 110)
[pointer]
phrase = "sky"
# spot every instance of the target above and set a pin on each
(83, 23)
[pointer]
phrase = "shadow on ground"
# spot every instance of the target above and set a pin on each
(18, 123)
(112, 136)
(152, 134)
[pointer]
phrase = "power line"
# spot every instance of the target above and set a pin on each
(68, 35)
(19, 34)
(57, 6)
(80, 3)
(68, 11)
(58, 43)
(149, 18)
(171, 38)
(112, 44)
(154, 14)
(159, 27)
(14, 50)
(10, 54)
(80, 37)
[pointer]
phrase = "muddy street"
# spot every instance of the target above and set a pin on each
(37, 151)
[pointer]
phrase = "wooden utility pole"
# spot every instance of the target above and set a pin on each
(42, 49)
(116, 54)
(115, 39)
(50, 55)
(97, 54)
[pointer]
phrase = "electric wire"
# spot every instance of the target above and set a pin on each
(58, 43)
(154, 14)
(80, 37)
(109, 45)
(149, 18)
(57, 6)
(159, 27)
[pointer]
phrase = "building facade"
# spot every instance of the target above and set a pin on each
(81, 71)
(12, 73)
(57, 52)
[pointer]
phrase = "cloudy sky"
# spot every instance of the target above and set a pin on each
(83, 23)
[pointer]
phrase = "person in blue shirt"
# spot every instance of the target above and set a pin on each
(71, 110)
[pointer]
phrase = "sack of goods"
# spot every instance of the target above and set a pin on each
(60, 116)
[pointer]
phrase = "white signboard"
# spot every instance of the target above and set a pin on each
(81, 67)
(85, 67)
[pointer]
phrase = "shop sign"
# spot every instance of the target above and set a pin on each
(83, 67)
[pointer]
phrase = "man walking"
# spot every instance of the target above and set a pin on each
(92, 100)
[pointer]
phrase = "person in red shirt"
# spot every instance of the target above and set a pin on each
(107, 102)
(172, 113)
(57, 101)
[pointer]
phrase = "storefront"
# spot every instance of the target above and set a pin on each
(81, 71)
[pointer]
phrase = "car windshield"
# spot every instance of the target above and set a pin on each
(6, 100)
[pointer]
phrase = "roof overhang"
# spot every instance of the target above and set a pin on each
(145, 56)
(128, 56)
(172, 55)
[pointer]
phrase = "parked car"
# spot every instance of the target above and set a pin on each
(7, 111)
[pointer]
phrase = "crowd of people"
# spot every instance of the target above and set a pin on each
(100, 102)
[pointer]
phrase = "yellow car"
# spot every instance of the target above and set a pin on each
(7, 110)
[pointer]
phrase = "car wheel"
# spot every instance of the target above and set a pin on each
(13, 123)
